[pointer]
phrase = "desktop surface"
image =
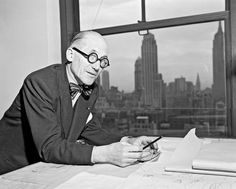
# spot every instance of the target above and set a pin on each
(143, 175)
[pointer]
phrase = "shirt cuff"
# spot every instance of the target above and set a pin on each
(92, 161)
(125, 139)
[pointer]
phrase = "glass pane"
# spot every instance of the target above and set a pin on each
(107, 13)
(165, 82)
(177, 8)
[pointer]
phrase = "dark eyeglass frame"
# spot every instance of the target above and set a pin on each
(104, 62)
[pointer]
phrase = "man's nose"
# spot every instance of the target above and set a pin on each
(96, 65)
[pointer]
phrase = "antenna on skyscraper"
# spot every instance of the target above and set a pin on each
(143, 32)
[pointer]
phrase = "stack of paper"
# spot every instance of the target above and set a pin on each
(193, 156)
(218, 156)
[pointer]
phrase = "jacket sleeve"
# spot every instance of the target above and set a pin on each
(46, 129)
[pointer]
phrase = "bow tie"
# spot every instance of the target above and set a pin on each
(80, 88)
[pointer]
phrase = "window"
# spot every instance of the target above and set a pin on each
(175, 67)
(105, 13)
(169, 9)
(190, 94)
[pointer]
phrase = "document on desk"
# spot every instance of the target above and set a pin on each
(153, 175)
(91, 181)
(216, 156)
(192, 156)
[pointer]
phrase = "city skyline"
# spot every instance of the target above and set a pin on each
(174, 60)
(149, 50)
(189, 47)
(156, 106)
(158, 81)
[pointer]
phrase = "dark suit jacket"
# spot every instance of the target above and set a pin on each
(41, 124)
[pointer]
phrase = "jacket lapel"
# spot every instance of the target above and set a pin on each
(66, 110)
(73, 120)
(80, 115)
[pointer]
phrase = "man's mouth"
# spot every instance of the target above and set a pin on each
(93, 74)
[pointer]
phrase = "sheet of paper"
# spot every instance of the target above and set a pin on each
(183, 156)
(92, 181)
(179, 182)
(218, 156)
(153, 175)
(186, 150)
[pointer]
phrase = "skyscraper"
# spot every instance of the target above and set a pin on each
(198, 84)
(138, 77)
(218, 88)
(98, 81)
(105, 80)
(180, 86)
(150, 71)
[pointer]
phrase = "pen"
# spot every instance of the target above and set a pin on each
(149, 144)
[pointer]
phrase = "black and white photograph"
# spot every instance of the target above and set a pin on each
(124, 94)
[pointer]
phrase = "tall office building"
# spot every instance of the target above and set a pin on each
(180, 86)
(218, 88)
(138, 77)
(105, 80)
(98, 81)
(178, 95)
(198, 84)
(150, 71)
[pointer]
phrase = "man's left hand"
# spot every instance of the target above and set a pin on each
(147, 154)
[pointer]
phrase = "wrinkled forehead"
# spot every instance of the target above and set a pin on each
(91, 43)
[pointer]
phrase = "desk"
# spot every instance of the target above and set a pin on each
(47, 175)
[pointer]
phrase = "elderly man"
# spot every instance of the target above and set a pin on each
(54, 110)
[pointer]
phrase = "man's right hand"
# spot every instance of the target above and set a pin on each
(119, 153)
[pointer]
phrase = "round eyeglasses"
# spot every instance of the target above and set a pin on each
(93, 57)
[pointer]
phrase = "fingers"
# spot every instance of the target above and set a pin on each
(141, 141)
(145, 140)
(132, 148)
(149, 155)
(129, 159)
(142, 155)
(132, 152)
(154, 146)
(124, 154)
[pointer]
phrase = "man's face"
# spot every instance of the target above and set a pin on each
(80, 65)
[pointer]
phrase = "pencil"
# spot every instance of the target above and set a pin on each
(152, 142)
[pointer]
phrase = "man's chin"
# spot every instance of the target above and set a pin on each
(88, 82)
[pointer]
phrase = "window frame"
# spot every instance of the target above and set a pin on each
(70, 24)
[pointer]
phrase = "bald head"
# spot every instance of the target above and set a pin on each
(83, 39)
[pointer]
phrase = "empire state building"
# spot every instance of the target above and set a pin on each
(150, 71)
(218, 66)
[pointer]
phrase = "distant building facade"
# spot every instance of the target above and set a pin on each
(138, 78)
(105, 80)
(150, 71)
(218, 88)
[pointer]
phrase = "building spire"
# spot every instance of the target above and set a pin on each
(220, 28)
(198, 83)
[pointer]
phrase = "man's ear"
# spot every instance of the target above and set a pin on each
(69, 54)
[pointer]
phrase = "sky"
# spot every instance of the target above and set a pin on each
(183, 51)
